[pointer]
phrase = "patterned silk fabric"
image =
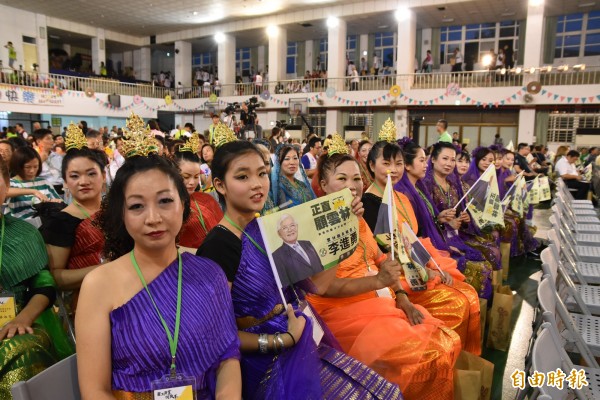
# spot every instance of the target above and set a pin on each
(374, 330)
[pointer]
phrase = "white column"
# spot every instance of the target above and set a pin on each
(145, 73)
(308, 55)
(333, 122)
(183, 63)
(137, 56)
(526, 126)
(42, 44)
(98, 50)
(226, 64)
(277, 56)
(364, 46)
(534, 36)
(261, 59)
(407, 36)
(401, 121)
(336, 54)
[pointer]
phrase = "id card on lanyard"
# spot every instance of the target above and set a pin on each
(172, 386)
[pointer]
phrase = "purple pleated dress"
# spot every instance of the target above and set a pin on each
(207, 336)
(303, 371)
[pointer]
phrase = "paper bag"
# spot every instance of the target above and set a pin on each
(466, 384)
(496, 279)
(499, 319)
(483, 318)
(468, 362)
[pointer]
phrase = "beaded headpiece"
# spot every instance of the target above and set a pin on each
(388, 131)
(75, 138)
(223, 134)
(192, 145)
(337, 145)
(137, 138)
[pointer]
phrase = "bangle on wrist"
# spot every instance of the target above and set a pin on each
(292, 336)
(263, 343)
(279, 340)
(400, 291)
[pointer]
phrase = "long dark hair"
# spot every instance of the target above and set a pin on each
(110, 219)
(226, 154)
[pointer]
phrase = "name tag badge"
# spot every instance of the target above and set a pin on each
(8, 309)
(318, 332)
(178, 387)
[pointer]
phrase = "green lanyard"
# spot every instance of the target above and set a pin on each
(172, 340)
(427, 203)
(258, 246)
(80, 207)
(2, 245)
(447, 193)
(201, 218)
(364, 246)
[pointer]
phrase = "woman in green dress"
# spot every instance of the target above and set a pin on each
(27, 323)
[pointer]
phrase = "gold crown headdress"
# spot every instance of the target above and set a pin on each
(388, 131)
(223, 135)
(337, 145)
(137, 138)
(75, 138)
(192, 145)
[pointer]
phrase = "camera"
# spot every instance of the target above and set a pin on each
(231, 108)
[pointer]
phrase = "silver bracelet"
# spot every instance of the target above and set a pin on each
(280, 341)
(263, 343)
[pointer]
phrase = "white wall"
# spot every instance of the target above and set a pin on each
(160, 61)
(14, 24)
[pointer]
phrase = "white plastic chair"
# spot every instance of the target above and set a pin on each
(562, 187)
(577, 330)
(60, 381)
(548, 356)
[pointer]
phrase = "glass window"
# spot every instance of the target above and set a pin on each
(593, 38)
(571, 51)
(573, 26)
(455, 36)
(593, 50)
(292, 54)
(572, 40)
(472, 35)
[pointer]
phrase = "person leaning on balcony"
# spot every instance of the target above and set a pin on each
(427, 66)
(355, 79)
(442, 130)
(458, 61)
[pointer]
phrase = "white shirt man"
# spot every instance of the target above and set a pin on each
(565, 168)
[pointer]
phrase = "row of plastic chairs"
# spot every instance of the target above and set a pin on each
(566, 336)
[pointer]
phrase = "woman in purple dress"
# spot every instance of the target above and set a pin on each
(153, 313)
(280, 358)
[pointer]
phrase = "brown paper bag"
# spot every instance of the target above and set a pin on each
(499, 319)
(483, 311)
(471, 363)
(496, 279)
(466, 384)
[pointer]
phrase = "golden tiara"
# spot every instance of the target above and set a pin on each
(223, 135)
(75, 138)
(192, 145)
(337, 145)
(137, 138)
(388, 131)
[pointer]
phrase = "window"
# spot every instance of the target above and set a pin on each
(292, 55)
(242, 61)
(205, 61)
(451, 38)
(323, 51)
(578, 35)
(351, 47)
(563, 126)
(385, 48)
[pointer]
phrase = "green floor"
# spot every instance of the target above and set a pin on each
(520, 280)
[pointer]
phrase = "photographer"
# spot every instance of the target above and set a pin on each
(251, 129)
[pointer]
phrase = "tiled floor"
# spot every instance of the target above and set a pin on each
(525, 274)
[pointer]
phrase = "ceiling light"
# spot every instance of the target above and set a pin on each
(507, 14)
(365, 53)
(584, 5)
(531, 70)
(219, 37)
(563, 68)
(272, 31)
(402, 14)
(383, 26)
(457, 102)
(503, 71)
(579, 67)
(486, 60)
(536, 3)
(518, 70)
(448, 20)
(332, 22)
(168, 54)
(195, 13)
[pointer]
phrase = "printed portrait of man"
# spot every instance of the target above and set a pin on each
(295, 259)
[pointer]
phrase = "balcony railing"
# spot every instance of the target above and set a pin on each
(437, 80)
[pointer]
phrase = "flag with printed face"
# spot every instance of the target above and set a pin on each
(516, 202)
(387, 233)
(545, 189)
(485, 204)
(534, 192)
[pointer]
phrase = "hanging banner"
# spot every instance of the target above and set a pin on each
(37, 97)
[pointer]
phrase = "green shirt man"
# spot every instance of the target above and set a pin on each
(12, 54)
(442, 130)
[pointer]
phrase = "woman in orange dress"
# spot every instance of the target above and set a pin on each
(205, 212)
(447, 297)
(382, 328)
